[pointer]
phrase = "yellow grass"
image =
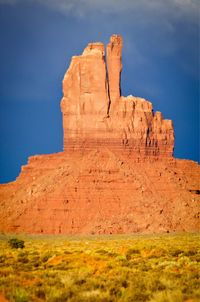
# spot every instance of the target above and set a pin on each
(125, 268)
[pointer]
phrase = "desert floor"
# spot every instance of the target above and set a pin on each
(111, 268)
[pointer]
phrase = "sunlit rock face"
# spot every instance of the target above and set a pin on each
(117, 173)
(96, 115)
(114, 67)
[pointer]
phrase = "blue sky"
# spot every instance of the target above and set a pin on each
(38, 38)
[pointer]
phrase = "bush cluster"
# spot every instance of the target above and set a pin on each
(16, 243)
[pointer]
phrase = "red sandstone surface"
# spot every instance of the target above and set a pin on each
(117, 173)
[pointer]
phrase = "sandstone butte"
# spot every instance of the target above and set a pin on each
(117, 173)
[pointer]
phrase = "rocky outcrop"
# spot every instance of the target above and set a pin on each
(116, 174)
(95, 114)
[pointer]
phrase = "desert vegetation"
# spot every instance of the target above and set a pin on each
(125, 268)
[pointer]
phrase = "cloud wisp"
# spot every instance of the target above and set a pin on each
(167, 27)
(187, 8)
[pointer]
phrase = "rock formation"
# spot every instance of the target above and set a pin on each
(116, 174)
(95, 114)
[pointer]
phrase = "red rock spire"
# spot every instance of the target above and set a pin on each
(95, 115)
(114, 67)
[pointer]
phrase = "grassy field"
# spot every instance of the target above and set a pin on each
(156, 268)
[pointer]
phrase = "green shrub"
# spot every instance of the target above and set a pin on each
(16, 243)
(40, 293)
(21, 295)
(132, 252)
(23, 259)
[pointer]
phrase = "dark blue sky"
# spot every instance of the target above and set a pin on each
(38, 38)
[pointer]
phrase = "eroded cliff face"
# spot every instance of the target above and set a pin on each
(101, 193)
(116, 174)
(95, 113)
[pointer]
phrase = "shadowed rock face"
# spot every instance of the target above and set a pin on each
(95, 113)
(116, 174)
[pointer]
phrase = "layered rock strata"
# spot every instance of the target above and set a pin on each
(101, 193)
(116, 174)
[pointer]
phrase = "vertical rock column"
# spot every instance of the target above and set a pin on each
(114, 67)
(85, 97)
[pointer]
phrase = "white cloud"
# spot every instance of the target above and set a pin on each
(83, 7)
(187, 8)
(165, 25)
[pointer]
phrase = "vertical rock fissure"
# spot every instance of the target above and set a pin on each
(107, 87)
